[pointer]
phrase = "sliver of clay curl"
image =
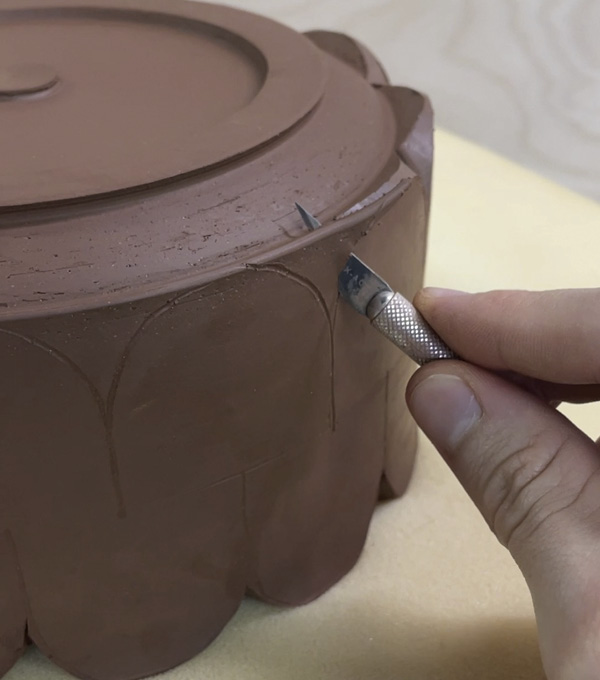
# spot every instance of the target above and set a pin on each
(397, 179)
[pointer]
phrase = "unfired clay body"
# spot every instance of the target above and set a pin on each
(188, 411)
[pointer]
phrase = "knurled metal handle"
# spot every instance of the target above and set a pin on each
(401, 323)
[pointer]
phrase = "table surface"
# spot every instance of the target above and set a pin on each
(433, 596)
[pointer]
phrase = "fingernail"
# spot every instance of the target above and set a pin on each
(445, 408)
(443, 292)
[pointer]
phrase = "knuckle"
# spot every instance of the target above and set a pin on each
(556, 505)
(519, 492)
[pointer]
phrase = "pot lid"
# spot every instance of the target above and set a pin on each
(105, 96)
(150, 146)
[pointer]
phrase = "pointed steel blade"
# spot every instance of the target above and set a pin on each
(309, 220)
(359, 284)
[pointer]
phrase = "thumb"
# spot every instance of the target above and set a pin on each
(534, 477)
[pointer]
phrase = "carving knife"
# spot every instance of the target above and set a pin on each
(390, 313)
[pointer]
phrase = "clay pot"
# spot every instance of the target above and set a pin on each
(188, 411)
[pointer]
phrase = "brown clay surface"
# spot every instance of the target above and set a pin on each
(192, 413)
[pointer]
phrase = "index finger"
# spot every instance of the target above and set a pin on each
(550, 335)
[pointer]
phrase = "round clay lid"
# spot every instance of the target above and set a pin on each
(101, 97)
(157, 145)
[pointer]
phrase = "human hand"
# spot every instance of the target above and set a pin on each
(533, 475)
